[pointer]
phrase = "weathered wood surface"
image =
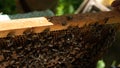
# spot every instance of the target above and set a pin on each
(58, 22)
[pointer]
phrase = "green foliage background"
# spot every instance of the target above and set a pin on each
(7, 6)
(67, 6)
(64, 6)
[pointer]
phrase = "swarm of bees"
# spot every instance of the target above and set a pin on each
(73, 47)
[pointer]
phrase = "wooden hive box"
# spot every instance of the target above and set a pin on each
(74, 41)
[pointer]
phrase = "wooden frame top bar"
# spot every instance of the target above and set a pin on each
(18, 26)
(24, 23)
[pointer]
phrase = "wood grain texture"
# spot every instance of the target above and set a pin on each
(18, 26)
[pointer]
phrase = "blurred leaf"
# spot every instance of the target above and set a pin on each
(113, 63)
(100, 64)
(67, 6)
(71, 9)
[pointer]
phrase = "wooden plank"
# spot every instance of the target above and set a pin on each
(24, 23)
(18, 26)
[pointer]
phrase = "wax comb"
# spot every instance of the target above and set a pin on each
(71, 41)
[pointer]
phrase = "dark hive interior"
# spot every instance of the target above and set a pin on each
(73, 47)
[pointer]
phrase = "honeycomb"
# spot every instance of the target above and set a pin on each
(74, 47)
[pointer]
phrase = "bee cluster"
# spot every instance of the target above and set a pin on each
(70, 48)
